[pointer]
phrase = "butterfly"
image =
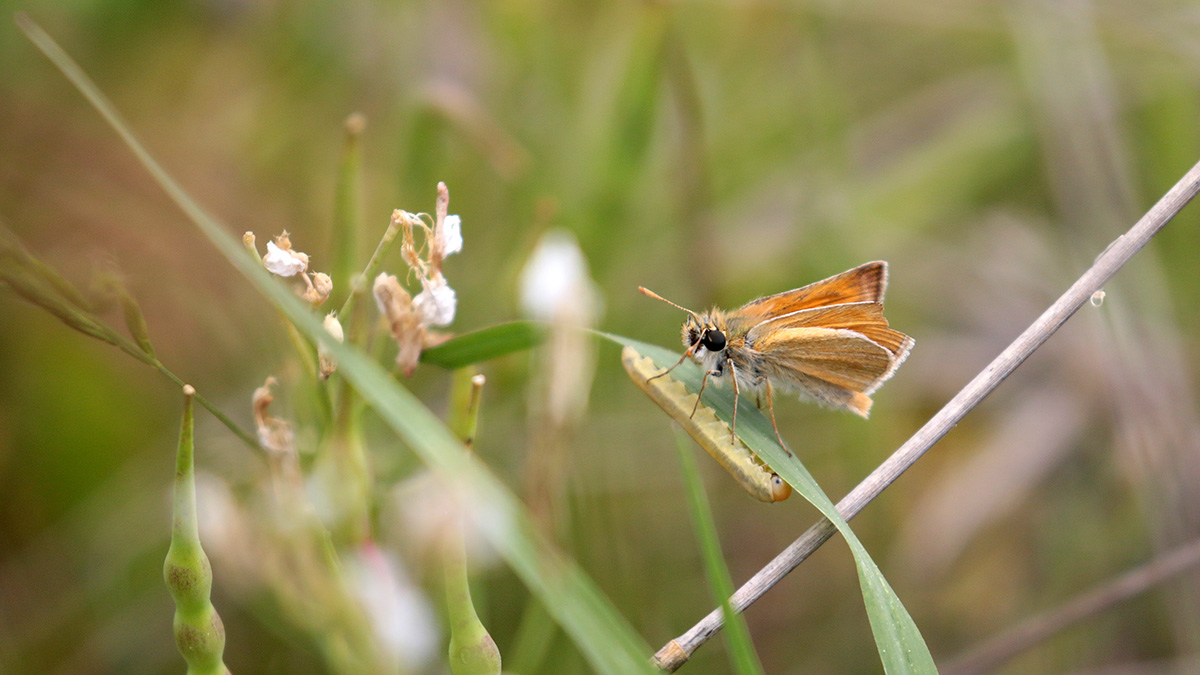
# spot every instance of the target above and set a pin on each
(827, 341)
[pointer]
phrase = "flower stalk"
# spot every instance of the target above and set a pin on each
(347, 199)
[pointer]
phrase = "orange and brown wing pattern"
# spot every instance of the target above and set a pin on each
(865, 318)
(842, 353)
(841, 357)
(865, 283)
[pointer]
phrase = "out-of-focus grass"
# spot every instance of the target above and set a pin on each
(743, 660)
(711, 152)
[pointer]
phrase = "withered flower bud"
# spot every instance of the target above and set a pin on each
(274, 434)
(319, 288)
(404, 321)
(325, 363)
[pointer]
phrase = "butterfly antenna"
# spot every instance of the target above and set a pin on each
(649, 293)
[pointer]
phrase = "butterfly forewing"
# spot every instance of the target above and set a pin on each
(865, 318)
(865, 283)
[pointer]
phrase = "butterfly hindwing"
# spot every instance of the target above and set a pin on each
(841, 357)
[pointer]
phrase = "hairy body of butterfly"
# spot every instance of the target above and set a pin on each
(827, 341)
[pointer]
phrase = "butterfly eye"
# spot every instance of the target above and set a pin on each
(713, 340)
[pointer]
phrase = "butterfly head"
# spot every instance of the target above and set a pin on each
(706, 339)
(704, 333)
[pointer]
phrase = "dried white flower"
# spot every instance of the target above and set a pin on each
(450, 236)
(404, 321)
(437, 303)
(273, 433)
(284, 262)
(382, 291)
(410, 318)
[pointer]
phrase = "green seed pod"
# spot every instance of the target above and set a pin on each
(472, 650)
(199, 633)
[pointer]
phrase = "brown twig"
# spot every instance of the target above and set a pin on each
(1003, 647)
(676, 653)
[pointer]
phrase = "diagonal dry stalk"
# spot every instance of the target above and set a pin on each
(675, 653)
(995, 652)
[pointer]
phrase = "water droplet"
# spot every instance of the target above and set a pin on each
(1097, 298)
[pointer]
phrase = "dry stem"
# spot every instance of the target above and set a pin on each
(994, 652)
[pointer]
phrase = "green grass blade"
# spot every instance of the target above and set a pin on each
(737, 635)
(901, 647)
(535, 633)
(485, 344)
(587, 616)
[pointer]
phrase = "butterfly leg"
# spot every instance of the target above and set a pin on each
(703, 384)
(736, 395)
(771, 409)
(677, 364)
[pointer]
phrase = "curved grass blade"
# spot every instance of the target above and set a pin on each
(486, 344)
(602, 635)
(741, 650)
(901, 647)
(703, 425)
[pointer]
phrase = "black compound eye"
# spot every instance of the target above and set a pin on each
(713, 340)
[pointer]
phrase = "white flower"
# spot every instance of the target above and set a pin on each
(283, 262)
(399, 615)
(450, 235)
(437, 303)
(555, 281)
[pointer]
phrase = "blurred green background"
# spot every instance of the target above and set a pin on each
(712, 151)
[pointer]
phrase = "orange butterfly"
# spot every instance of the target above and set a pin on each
(827, 341)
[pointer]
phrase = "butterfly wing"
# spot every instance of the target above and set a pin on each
(865, 283)
(840, 357)
(864, 318)
(828, 339)
(839, 354)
